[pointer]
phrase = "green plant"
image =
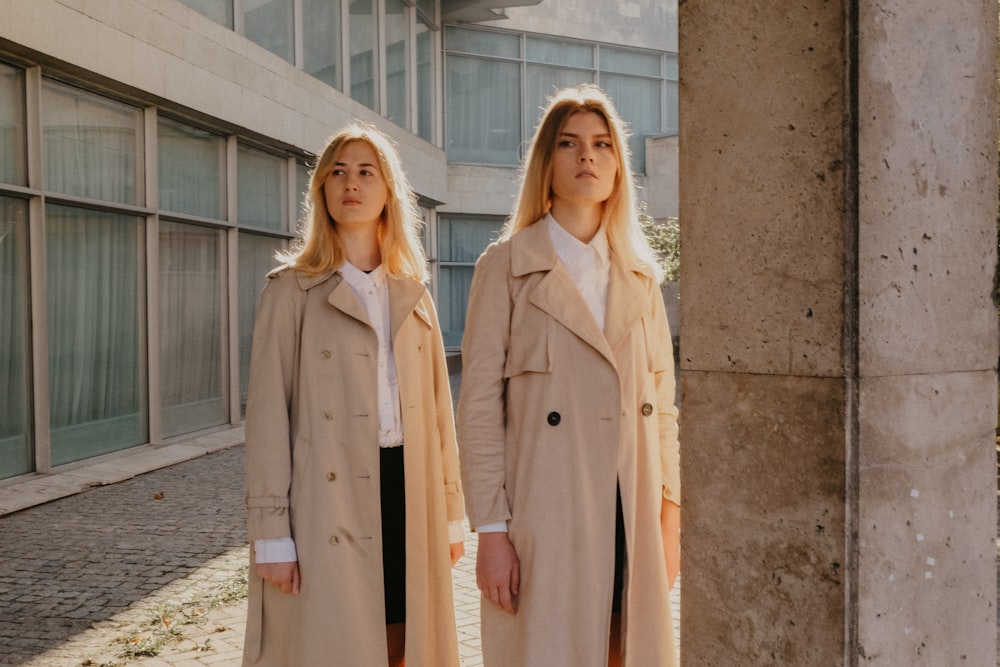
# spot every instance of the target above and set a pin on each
(665, 239)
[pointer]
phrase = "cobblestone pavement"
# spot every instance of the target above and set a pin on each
(149, 571)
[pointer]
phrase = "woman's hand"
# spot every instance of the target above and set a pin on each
(498, 570)
(283, 575)
(670, 527)
(457, 551)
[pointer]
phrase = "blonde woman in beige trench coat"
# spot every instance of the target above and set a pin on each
(317, 430)
(557, 413)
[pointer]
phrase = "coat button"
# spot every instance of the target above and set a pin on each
(334, 540)
(553, 419)
(325, 354)
(328, 416)
(647, 409)
(330, 476)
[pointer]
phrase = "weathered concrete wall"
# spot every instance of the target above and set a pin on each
(838, 343)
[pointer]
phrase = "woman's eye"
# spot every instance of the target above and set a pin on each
(565, 143)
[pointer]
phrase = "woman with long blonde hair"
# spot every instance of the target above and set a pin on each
(566, 419)
(352, 475)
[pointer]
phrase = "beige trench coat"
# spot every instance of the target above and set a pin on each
(313, 474)
(552, 412)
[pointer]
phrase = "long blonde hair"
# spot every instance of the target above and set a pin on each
(319, 247)
(620, 218)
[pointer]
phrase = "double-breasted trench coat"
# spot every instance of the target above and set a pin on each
(553, 413)
(312, 473)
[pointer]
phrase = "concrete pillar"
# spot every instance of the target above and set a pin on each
(838, 338)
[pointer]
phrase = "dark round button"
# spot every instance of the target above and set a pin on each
(553, 419)
(647, 409)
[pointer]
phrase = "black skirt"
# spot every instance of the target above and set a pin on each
(393, 533)
(616, 599)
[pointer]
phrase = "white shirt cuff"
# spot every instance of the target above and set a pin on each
(495, 527)
(456, 532)
(275, 550)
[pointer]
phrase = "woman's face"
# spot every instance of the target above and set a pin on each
(355, 190)
(584, 166)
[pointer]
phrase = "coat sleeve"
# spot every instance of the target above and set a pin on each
(273, 358)
(661, 351)
(445, 415)
(481, 421)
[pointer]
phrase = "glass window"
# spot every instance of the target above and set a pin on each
(638, 102)
(256, 258)
(92, 145)
(12, 128)
(397, 56)
(192, 331)
(220, 11)
(192, 170)
(97, 354)
(425, 81)
(461, 239)
(483, 42)
(628, 61)
(542, 82)
(363, 33)
(270, 24)
(302, 176)
(556, 52)
(261, 189)
(321, 40)
(426, 8)
(15, 422)
(484, 111)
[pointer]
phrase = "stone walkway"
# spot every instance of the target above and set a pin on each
(148, 571)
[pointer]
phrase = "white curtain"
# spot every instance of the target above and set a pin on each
(96, 350)
(256, 258)
(15, 445)
(191, 284)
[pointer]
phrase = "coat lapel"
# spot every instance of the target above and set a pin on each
(555, 293)
(343, 298)
(404, 298)
(626, 302)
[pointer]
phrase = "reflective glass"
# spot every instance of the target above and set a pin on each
(482, 42)
(269, 23)
(192, 332)
(363, 33)
(628, 61)
(321, 40)
(220, 11)
(541, 83)
(558, 52)
(192, 170)
(13, 166)
(483, 112)
(460, 242)
(397, 57)
(92, 145)
(96, 341)
(256, 258)
(15, 421)
(261, 189)
(638, 102)
(425, 81)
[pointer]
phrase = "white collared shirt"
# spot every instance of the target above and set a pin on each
(372, 290)
(589, 266)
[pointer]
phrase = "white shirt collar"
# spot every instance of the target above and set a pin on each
(569, 248)
(357, 278)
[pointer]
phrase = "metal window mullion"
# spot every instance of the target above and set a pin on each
(152, 189)
(298, 36)
(233, 292)
(412, 72)
(37, 275)
(380, 73)
(239, 24)
(345, 47)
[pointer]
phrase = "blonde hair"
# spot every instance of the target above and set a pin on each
(319, 247)
(620, 218)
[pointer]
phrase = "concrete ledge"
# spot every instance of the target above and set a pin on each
(30, 490)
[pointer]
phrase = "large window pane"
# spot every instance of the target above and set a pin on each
(638, 102)
(542, 82)
(484, 111)
(96, 343)
(261, 189)
(483, 42)
(12, 130)
(363, 33)
(192, 352)
(425, 81)
(192, 166)
(269, 23)
(397, 57)
(255, 260)
(15, 440)
(628, 61)
(92, 145)
(558, 52)
(321, 40)
(460, 242)
(220, 11)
